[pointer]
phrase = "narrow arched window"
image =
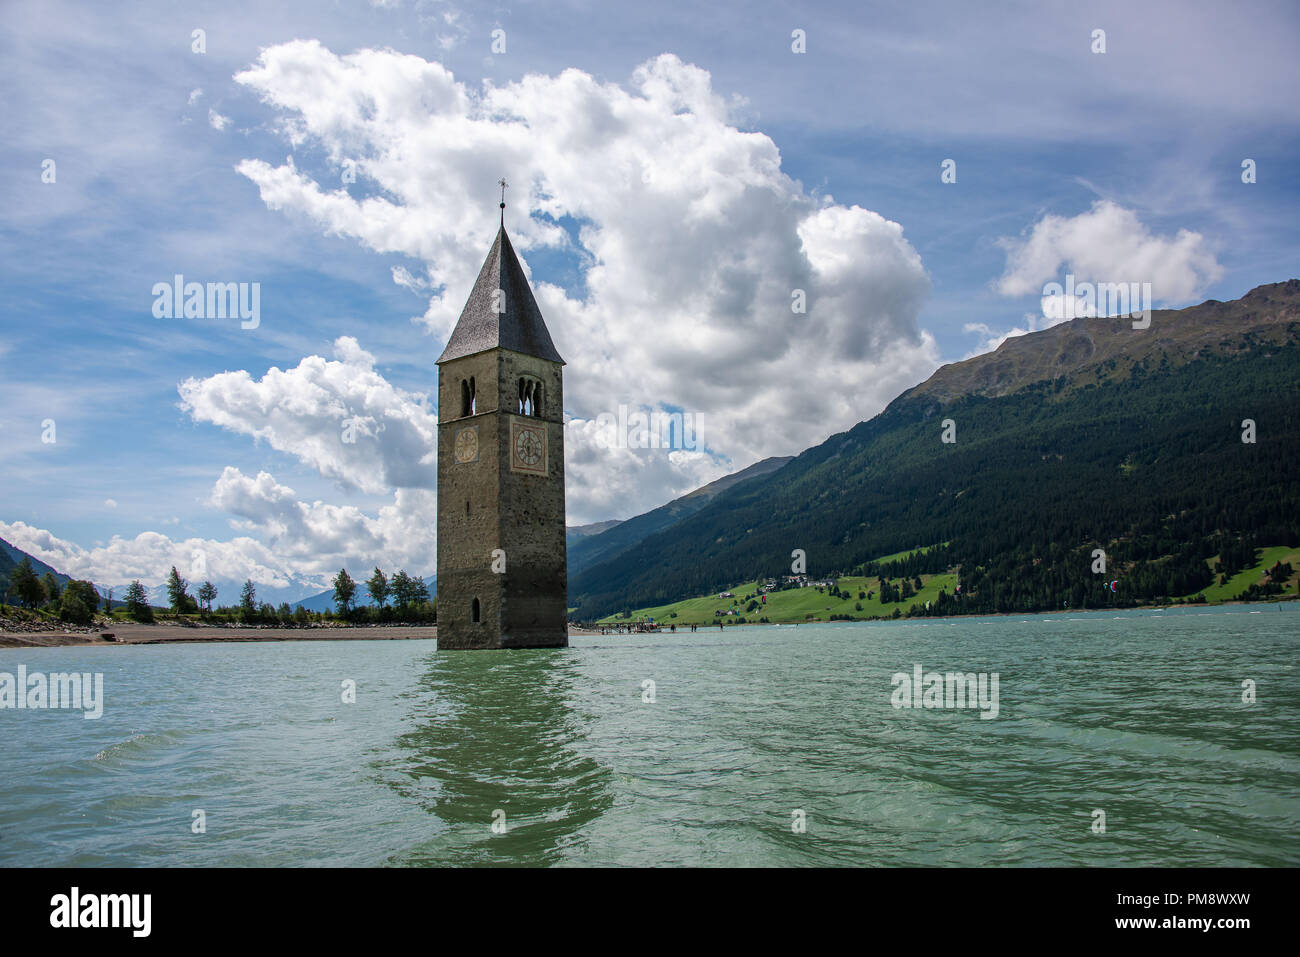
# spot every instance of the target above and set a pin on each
(467, 508)
(464, 397)
(473, 399)
(530, 397)
(474, 611)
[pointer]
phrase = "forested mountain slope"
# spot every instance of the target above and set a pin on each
(1132, 443)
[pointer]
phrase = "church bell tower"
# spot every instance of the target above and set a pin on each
(502, 565)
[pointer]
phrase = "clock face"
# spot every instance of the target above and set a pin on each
(467, 445)
(528, 448)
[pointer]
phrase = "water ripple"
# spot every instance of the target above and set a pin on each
(554, 757)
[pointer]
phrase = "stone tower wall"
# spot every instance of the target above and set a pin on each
(532, 515)
(518, 512)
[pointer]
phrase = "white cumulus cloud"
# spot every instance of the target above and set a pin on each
(149, 557)
(1108, 243)
(708, 282)
(338, 416)
(319, 537)
(690, 242)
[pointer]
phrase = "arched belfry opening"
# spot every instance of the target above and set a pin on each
(476, 612)
(468, 400)
(530, 396)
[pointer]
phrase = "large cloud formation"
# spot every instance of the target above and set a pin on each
(691, 251)
(691, 243)
(341, 417)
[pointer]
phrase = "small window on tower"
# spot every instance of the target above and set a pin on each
(464, 397)
(473, 399)
(474, 611)
(530, 397)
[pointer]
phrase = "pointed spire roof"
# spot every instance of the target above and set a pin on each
(519, 327)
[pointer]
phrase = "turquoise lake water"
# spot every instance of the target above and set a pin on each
(1140, 716)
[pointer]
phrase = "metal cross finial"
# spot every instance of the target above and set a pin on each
(503, 184)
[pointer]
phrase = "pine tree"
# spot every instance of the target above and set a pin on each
(208, 594)
(137, 602)
(344, 591)
(402, 588)
(25, 585)
(176, 591)
(248, 601)
(378, 588)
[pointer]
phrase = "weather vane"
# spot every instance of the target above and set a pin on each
(503, 184)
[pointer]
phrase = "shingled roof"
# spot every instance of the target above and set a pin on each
(519, 328)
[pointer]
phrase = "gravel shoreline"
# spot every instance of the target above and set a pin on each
(137, 634)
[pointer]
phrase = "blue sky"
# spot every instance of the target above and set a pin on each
(666, 206)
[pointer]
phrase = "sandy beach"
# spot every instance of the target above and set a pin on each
(132, 633)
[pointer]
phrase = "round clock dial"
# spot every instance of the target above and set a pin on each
(528, 447)
(466, 445)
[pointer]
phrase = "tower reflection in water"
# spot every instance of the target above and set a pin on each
(496, 742)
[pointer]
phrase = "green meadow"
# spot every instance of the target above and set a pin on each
(791, 605)
(818, 604)
(1254, 575)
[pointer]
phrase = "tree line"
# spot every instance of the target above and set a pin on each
(402, 597)
(76, 602)
(409, 597)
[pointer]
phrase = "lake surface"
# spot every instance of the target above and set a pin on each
(1139, 715)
